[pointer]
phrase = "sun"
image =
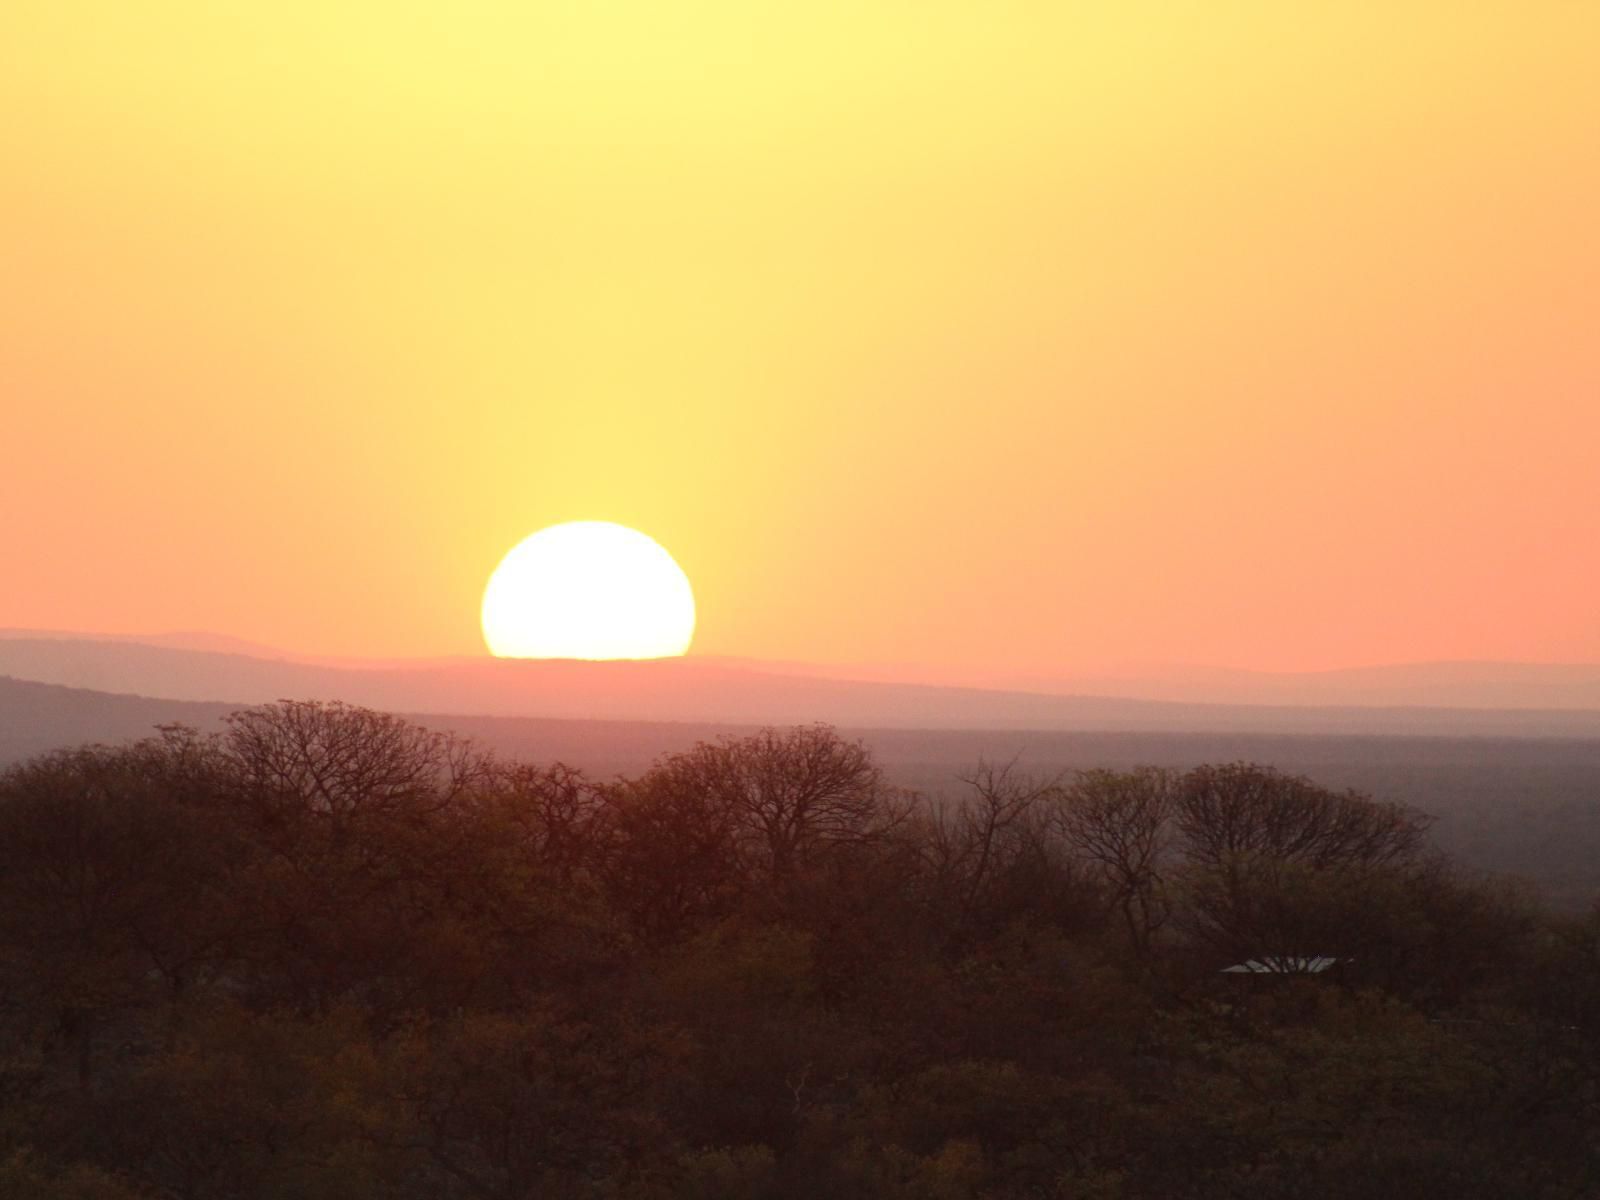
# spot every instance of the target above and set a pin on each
(588, 589)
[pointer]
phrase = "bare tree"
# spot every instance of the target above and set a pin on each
(1279, 865)
(791, 793)
(1245, 809)
(1121, 822)
(668, 854)
(552, 816)
(343, 762)
(994, 825)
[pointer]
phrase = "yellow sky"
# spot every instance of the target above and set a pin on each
(1002, 336)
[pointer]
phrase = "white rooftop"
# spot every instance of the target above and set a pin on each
(1283, 964)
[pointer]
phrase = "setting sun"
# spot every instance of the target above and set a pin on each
(588, 589)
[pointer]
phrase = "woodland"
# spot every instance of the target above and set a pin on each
(328, 953)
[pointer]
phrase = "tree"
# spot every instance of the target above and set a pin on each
(540, 1104)
(668, 855)
(1279, 865)
(1239, 809)
(361, 820)
(552, 818)
(1121, 822)
(344, 763)
(790, 794)
(111, 870)
(986, 852)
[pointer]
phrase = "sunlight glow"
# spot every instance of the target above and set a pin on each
(588, 589)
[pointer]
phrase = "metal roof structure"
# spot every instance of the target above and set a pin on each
(1284, 964)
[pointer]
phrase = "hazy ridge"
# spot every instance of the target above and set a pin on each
(723, 691)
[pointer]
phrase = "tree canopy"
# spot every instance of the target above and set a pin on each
(329, 953)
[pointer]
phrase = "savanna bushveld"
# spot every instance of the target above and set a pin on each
(328, 953)
(882, 600)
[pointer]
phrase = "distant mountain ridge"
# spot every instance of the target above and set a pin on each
(38, 717)
(1500, 685)
(1444, 684)
(714, 691)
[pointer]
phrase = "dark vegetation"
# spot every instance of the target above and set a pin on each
(328, 953)
(1527, 806)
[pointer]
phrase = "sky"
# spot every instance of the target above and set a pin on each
(1011, 337)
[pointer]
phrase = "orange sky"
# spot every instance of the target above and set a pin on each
(1003, 336)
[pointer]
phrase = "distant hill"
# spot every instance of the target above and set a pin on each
(220, 643)
(712, 691)
(36, 717)
(1489, 685)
